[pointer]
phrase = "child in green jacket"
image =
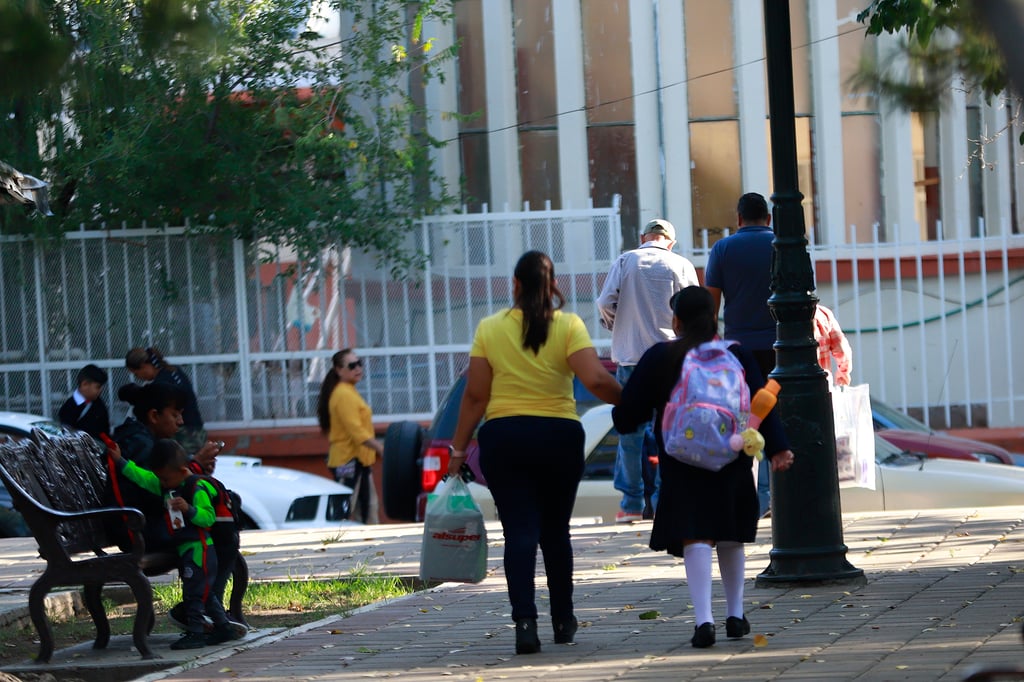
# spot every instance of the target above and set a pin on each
(188, 514)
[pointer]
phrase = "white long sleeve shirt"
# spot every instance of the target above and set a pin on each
(634, 302)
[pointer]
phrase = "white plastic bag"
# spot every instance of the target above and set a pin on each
(855, 436)
(454, 536)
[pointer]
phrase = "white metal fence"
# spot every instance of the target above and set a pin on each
(253, 328)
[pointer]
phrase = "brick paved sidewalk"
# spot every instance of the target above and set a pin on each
(945, 595)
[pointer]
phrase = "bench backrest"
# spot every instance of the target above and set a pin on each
(65, 473)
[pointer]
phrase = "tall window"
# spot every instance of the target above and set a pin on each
(924, 131)
(715, 182)
(608, 79)
(537, 102)
(473, 149)
(861, 129)
(976, 164)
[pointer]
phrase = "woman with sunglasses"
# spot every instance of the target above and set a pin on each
(347, 421)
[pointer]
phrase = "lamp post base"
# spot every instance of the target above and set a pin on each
(809, 566)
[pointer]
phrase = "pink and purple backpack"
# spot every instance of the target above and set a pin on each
(710, 403)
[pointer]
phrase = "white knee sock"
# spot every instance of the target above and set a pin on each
(732, 564)
(697, 562)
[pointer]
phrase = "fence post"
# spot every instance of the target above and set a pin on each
(428, 307)
(242, 320)
(44, 374)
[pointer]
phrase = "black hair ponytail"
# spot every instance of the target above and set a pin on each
(538, 297)
(331, 380)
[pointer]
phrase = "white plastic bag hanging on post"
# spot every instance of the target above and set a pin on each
(855, 436)
(454, 536)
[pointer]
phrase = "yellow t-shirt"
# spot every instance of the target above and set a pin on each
(523, 383)
(351, 426)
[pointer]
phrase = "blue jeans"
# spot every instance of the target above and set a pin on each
(628, 478)
(764, 493)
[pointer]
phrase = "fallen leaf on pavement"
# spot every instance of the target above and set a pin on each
(760, 641)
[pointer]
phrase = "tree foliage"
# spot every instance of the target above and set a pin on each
(229, 115)
(940, 39)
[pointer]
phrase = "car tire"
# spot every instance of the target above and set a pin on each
(401, 477)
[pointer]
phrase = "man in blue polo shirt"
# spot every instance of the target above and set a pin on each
(739, 268)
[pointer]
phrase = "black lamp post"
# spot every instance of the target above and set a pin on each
(807, 534)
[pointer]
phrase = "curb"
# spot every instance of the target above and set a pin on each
(274, 636)
(59, 605)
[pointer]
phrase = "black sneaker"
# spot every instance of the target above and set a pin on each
(736, 627)
(191, 640)
(220, 634)
(178, 617)
(239, 630)
(703, 635)
(565, 630)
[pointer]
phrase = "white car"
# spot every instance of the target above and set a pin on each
(273, 498)
(902, 480)
(20, 424)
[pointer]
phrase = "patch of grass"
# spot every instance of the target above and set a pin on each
(278, 604)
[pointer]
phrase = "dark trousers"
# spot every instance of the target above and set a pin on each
(533, 466)
(225, 544)
(765, 360)
(358, 477)
(197, 570)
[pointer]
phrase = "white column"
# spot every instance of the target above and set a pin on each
(996, 171)
(441, 98)
(645, 110)
(503, 136)
(675, 129)
(748, 32)
(828, 124)
(954, 188)
(573, 168)
(897, 165)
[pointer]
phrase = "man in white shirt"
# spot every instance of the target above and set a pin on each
(634, 305)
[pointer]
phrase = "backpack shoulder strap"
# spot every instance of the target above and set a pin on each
(192, 482)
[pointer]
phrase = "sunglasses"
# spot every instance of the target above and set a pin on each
(354, 364)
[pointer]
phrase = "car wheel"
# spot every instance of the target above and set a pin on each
(401, 477)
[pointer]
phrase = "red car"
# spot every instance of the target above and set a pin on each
(415, 459)
(908, 434)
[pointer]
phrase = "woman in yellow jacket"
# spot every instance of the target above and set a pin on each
(347, 421)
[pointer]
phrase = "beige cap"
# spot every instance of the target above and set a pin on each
(663, 227)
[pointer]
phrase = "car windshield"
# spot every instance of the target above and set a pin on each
(889, 417)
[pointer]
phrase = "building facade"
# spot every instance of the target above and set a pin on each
(664, 102)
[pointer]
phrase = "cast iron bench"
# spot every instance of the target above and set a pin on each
(57, 483)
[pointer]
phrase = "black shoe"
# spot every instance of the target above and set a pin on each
(703, 635)
(736, 627)
(178, 617)
(220, 634)
(565, 630)
(239, 630)
(190, 640)
(527, 641)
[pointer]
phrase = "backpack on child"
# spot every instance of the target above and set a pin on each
(709, 403)
(226, 504)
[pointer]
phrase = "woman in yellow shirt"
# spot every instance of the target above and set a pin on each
(521, 367)
(347, 421)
